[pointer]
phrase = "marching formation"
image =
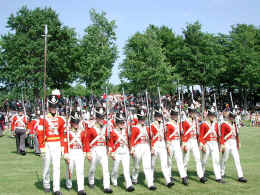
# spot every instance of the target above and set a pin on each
(127, 128)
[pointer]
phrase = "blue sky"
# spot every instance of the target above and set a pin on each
(135, 15)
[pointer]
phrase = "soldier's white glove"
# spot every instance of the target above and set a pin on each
(113, 155)
(62, 151)
(184, 147)
(152, 151)
(168, 148)
(43, 153)
(66, 156)
(132, 151)
(222, 148)
(202, 147)
(89, 156)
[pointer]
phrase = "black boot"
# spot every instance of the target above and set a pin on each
(220, 181)
(242, 180)
(152, 188)
(108, 191)
(185, 181)
(23, 153)
(203, 180)
(134, 182)
(170, 184)
(91, 186)
(130, 189)
(47, 190)
(57, 193)
(82, 192)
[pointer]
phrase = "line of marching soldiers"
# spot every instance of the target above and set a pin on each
(170, 134)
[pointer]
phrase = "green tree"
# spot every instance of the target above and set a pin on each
(244, 60)
(98, 52)
(23, 51)
(200, 56)
(146, 65)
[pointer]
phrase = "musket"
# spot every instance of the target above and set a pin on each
(127, 121)
(192, 98)
(24, 110)
(231, 99)
(236, 128)
(107, 118)
(180, 111)
(44, 78)
(216, 110)
(148, 117)
(161, 109)
(68, 141)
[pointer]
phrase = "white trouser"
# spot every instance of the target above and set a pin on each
(76, 158)
(99, 155)
(192, 145)
(231, 146)
(161, 152)
(212, 148)
(52, 155)
(175, 149)
(142, 152)
(124, 157)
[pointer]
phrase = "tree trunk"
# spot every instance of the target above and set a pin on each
(36, 92)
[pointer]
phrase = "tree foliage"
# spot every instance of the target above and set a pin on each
(98, 52)
(146, 65)
(23, 51)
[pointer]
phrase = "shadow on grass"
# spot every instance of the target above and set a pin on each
(27, 152)
(157, 177)
(98, 183)
(121, 181)
(192, 174)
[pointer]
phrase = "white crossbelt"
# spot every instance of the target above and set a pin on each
(211, 130)
(143, 133)
(159, 131)
(120, 137)
(101, 135)
(175, 132)
(20, 119)
(190, 129)
(231, 132)
(75, 138)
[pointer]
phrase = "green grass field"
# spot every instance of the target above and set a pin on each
(21, 175)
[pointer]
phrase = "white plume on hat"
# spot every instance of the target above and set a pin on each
(212, 109)
(55, 92)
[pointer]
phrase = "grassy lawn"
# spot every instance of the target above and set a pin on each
(21, 175)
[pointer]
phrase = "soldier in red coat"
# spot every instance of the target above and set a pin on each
(229, 141)
(96, 148)
(190, 143)
(50, 132)
(75, 152)
(19, 127)
(159, 147)
(140, 149)
(32, 127)
(209, 135)
(173, 137)
(119, 150)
